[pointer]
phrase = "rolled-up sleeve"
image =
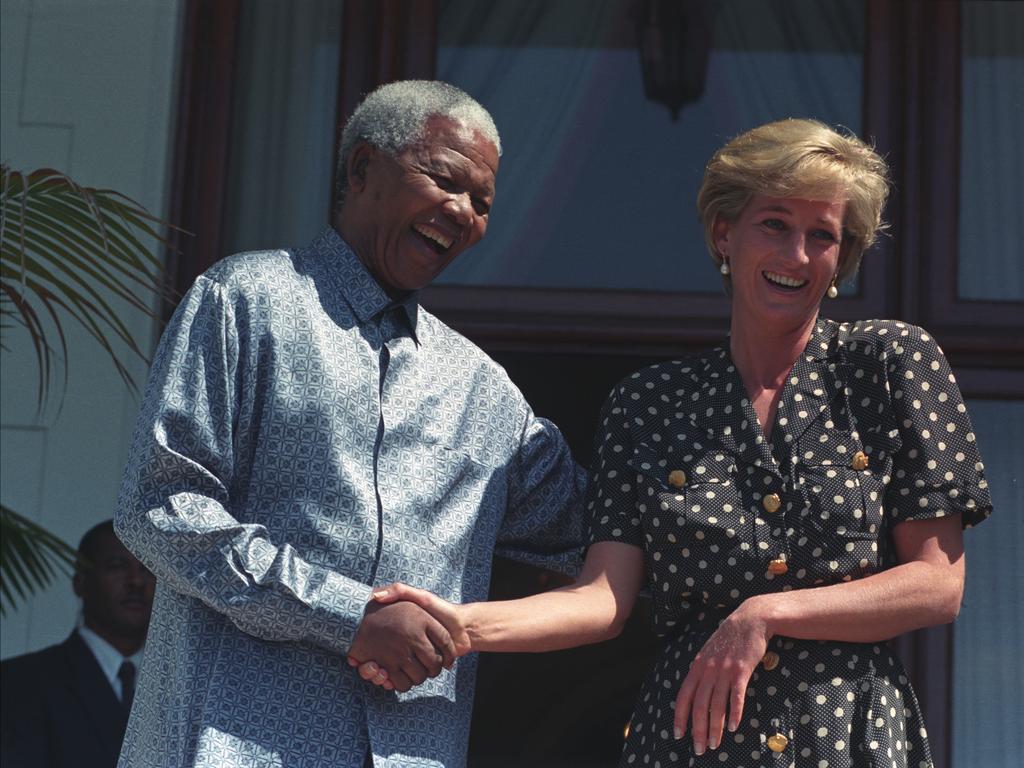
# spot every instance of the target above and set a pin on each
(937, 470)
(612, 504)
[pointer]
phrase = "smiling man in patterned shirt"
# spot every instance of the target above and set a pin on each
(309, 431)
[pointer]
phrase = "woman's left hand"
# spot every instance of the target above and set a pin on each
(718, 677)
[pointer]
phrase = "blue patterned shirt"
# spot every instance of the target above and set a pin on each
(301, 438)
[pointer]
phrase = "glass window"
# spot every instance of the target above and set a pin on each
(279, 168)
(597, 183)
(991, 259)
(988, 676)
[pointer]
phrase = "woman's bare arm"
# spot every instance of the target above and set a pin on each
(592, 609)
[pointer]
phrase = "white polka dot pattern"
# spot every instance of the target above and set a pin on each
(870, 431)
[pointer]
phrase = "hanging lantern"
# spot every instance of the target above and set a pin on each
(674, 37)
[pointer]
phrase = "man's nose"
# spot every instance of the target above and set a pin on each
(460, 208)
(139, 574)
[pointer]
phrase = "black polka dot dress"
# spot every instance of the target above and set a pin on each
(871, 431)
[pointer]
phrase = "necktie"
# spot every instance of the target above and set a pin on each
(126, 674)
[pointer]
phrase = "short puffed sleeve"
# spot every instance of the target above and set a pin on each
(937, 470)
(611, 492)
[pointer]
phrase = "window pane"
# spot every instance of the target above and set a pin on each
(991, 257)
(597, 183)
(988, 676)
(279, 169)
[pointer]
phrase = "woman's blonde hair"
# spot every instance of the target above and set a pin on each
(804, 159)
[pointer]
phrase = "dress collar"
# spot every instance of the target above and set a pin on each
(815, 379)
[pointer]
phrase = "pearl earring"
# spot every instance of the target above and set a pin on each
(724, 269)
(832, 290)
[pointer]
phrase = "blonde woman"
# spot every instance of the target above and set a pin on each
(792, 499)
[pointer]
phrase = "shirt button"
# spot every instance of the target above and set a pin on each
(677, 478)
(778, 567)
(777, 742)
(771, 502)
(770, 660)
(859, 461)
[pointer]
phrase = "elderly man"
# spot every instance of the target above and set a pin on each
(310, 431)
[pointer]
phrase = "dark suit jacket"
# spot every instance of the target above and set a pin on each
(58, 710)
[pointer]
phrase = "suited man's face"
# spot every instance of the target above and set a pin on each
(116, 591)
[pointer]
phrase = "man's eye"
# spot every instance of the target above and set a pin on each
(444, 183)
(481, 207)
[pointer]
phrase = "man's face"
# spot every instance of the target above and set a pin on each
(412, 215)
(116, 590)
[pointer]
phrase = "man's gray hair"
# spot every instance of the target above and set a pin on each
(394, 117)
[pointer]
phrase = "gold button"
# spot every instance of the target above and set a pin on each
(770, 660)
(772, 502)
(777, 742)
(778, 567)
(677, 478)
(860, 461)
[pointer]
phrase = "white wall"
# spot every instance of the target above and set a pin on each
(86, 87)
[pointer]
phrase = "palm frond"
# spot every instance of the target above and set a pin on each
(68, 251)
(30, 558)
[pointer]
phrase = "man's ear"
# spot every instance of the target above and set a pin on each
(358, 165)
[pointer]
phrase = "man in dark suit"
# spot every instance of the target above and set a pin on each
(66, 706)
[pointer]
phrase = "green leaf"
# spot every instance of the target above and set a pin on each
(69, 252)
(30, 558)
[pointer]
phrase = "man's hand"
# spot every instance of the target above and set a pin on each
(375, 670)
(451, 615)
(405, 640)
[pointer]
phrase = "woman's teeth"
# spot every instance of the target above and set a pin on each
(788, 282)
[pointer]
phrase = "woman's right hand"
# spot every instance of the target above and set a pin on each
(448, 614)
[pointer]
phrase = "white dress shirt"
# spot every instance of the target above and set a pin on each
(109, 658)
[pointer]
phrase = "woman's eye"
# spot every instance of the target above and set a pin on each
(776, 224)
(824, 234)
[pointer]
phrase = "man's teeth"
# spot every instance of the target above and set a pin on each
(789, 282)
(432, 234)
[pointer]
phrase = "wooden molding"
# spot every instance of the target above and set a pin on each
(383, 41)
(201, 137)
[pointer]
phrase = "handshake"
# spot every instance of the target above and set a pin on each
(408, 635)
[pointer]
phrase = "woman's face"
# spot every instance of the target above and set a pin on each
(783, 253)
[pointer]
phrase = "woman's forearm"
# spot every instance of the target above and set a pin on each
(593, 609)
(551, 621)
(877, 608)
(923, 591)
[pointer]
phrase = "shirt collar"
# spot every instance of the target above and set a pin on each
(363, 293)
(107, 656)
(409, 309)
